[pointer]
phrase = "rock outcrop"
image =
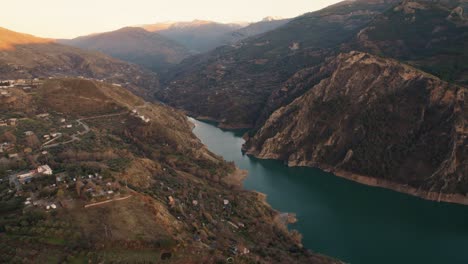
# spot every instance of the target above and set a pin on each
(377, 118)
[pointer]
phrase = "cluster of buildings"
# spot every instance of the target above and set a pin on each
(25, 177)
(51, 136)
(103, 80)
(142, 117)
(94, 186)
(9, 122)
(21, 83)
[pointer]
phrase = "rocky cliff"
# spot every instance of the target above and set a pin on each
(372, 117)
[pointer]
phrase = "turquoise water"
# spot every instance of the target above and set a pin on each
(355, 223)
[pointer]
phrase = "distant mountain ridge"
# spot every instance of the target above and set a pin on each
(136, 45)
(232, 83)
(161, 46)
(202, 36)
(197, 35)
(26, 56)
(265, 25)
(10, 39)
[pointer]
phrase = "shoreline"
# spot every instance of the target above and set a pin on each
(237, 178)
(452, 198)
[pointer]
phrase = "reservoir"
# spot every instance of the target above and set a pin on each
(355, 223)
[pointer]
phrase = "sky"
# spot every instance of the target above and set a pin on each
(72, 18)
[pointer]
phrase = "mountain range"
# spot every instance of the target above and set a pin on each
(135, 45)
(161, 46)
(202, 36)
(198, 35)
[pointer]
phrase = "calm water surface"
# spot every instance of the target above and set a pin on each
(355, 223)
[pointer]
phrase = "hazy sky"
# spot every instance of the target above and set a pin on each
(71, 18)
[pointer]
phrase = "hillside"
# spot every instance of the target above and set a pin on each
(24, 56)
(136, 45)
(198, 35)
(232, 84)
(375, 121)
(431, 35)
(128, 182)
(10, 39)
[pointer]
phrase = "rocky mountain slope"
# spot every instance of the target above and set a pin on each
(197, 36)
(376, 121)
(235, 82)
(232, 84)
(136, 45)
(131, 183)
(431, 35)
(25, 56)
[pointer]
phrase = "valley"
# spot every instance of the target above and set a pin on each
(91, 172)
(330, 136)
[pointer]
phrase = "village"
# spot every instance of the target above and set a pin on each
(35, 144)
(45, 188)
(28, 85)
(25, 84)
(28, 140)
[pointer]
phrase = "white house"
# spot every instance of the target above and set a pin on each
(44, 170)
(25, 176)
